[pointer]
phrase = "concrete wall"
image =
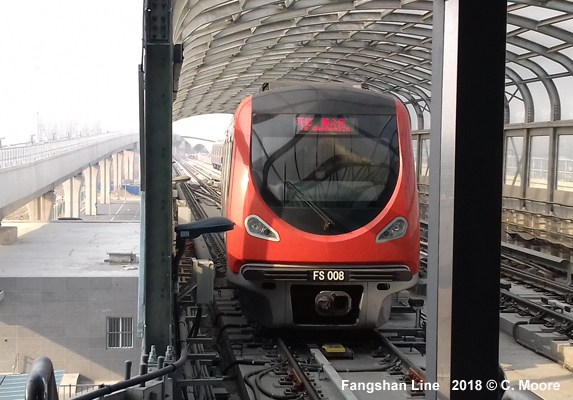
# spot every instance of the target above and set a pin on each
(65, 319)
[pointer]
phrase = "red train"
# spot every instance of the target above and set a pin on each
(320, 182)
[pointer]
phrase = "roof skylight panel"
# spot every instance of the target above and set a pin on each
(565, 87)
(411, 36)
(414, 77)
(424, 70)
(568, 52)
(410, 11)
(541, 38)
(565, 25)
(523, 72)
(511, 28)
(516, 49)
(536, 13)
(550, 66)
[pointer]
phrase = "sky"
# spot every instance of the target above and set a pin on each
(211, 126)
(69, 65)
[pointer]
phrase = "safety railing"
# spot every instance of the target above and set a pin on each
(165, 367)
(69, 391)
(23, 154)
(41, 383)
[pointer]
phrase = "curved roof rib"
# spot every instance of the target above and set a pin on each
(232, 47)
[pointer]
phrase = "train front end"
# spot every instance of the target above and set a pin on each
(322, 190)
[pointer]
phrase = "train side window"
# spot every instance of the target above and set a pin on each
(565, 163)
(539, 162)
(425, 162)
(513, 160)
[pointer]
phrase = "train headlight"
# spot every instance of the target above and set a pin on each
(394, 230)
(260, 229)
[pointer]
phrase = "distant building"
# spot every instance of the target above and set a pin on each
(64, 301)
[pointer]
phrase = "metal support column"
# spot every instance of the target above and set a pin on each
(465, 195)
(141, 282)
(157, 225)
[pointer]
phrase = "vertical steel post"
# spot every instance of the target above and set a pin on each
(157, 230)
(141, 282)
(127, 374)
(465, 190)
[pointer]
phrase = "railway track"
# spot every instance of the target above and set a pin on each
(536, 300)
(544, 273)
(195, 197)
(537, 289)
(272, 364)
(206, 181)
(285, 366)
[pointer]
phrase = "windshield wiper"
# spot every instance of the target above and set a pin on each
(328, 222)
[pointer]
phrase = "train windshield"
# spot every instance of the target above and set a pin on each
(325, 174)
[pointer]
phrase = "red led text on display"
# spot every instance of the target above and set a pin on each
(325, 124)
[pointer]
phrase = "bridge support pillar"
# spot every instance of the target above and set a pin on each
(117, 170)
(72, 197)
(105, 180)
(129, 157)
(90, 182)
(39, 209)
(136, 161)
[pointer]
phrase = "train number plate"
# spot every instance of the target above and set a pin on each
(328, 275)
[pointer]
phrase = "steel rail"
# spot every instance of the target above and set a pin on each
(536, 259)
(538, 307)
(215, 194)
(213, 241)
(537, 281)
(332, 374)
(202, 168)
(311, 392)
(417, 370)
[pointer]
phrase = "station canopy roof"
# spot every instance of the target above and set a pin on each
(232, 47)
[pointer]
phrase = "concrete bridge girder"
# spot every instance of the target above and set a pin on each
(40, 208)
(29, 181)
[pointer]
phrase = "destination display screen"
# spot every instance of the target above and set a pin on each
(325, 124)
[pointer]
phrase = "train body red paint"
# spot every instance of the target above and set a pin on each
(320, 182)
